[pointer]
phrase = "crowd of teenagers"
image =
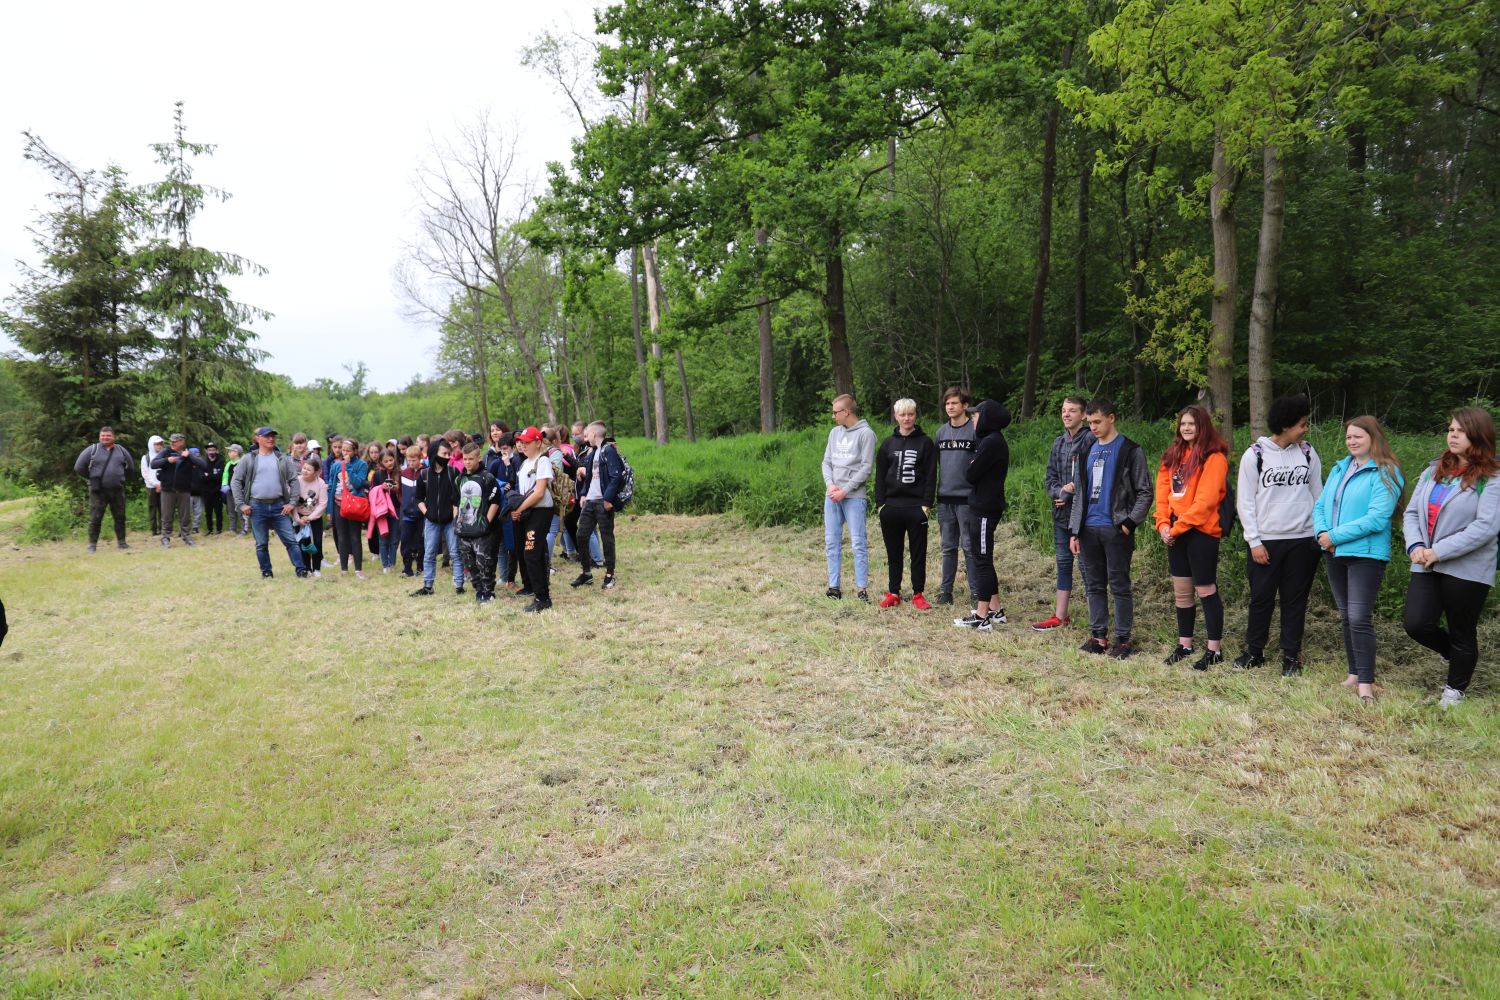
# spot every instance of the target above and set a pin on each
(1104, 493)
(491, 508)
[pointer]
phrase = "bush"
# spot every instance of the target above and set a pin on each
(56, 514)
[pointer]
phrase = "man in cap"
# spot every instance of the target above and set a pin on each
(263, 486)
(178, 469)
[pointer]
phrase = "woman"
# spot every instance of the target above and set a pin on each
(310, 501)
(1352, 523)
(387, 477)
(1191, 483)
(905, 490)
(1450, 526)
(348, 474)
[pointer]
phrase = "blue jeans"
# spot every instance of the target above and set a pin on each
(432, 536)
(1065, 557)
(263, 518)
(953, 535)
(850, 511)
(1355, 582)
(388, 543)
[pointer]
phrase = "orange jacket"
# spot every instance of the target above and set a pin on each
(1198, 507)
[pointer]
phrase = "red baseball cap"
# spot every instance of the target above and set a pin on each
(529, 435)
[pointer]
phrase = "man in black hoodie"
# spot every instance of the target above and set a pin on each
(437, 496)
(986, 475)
(905, 483)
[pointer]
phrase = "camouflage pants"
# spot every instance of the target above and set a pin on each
(479, 562)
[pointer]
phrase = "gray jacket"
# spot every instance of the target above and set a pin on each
(848, 458)
(1062, 468)
(244, 476)
(106, 467)
(1468, 524)
(1130, 495)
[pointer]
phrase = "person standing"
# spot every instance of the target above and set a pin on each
(1280, 479)
(386, 527)
(955, 448)
(474, 520)
(106, 465)
(905, 484)
(153, 484)
(411, 517)
(1191, 483)
(310, 501)
(178, 469)
(264, 487)
(239, 524)
(986, 474)
(1111, 500)
(1451, 526)
(348, 475)
(1061, 480)
(848, 459)
(534, 516)
(437, 495)
(601, 476)
(1352, 524)
(210, 499)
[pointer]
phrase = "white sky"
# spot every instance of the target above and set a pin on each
(321, 112)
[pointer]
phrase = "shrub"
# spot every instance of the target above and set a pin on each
(56, 513)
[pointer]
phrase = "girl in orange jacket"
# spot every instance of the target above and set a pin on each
(1190, 485)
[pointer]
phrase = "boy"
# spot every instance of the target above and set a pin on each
(474, 514)
(955, 446)
(1112, 498)
(847, 461)
(905, 481)
(1068, 451)
(436, 497)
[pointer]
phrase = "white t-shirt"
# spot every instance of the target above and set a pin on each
(596, 485)
(532, 470)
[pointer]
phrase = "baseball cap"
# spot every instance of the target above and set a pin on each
(529, 435)
(314, 444)
(265, 432)
(210, 445)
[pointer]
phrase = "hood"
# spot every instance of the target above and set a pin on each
(432, 453)
(858, 424)
(916, 432)
(993, 417)
(156, 444)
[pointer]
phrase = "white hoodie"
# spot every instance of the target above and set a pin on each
(148, 474)
(1276, 502)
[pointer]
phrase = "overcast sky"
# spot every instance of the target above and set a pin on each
(321, 113)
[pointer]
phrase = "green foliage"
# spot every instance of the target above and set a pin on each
(1172, 310)
(56, 513)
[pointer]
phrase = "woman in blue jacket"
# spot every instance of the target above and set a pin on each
(1450, 526)
(349, 473)
(1352, 521)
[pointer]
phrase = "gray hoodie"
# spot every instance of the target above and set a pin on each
(1468, 523)
(849, 457)
(1277, 488)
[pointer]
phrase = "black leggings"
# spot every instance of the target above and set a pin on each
(1431, 596)
(346, 534)
(900, 526)
(983, 582)
(1195, 555)
(315, 560)
(213, 512)
(534, 525)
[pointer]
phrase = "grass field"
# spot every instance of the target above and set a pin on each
(710, 782)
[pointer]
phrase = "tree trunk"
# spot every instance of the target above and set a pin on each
(1043, 264)
(1081, 269)
(588, 387)
(838, 333)
(653, 319)
(640, 345)
(687, 399)
(528, 356)
(481, 358)
(767, 357)
(1220, 394)
(567, 374)
(1263, 303)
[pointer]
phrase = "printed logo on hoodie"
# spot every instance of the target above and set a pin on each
(1285, 475)
(906, 463)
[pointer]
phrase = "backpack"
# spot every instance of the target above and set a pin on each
(1260, 456)
(561, 485)
(626, 491)
(1227, 509)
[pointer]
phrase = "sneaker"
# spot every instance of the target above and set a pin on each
(1450, 697)
(1290, 666)
(189, 542)
(1210, 658)
(1122, 649)
(1048, 624)
(122, 545)
(1178, 654)
(93, 547)
(890, 600)
(513, 587)
(998, 617)
(1248, 660)
(483, 598)
(920, 603)
(1095, 644)
(944, 598)
(536, 607)
(525, 592)
(609, 582)
(407, 572)
(303, 574)
(317, 574)
(863, 595)
(265, 574)
(359, 574)
(835, 593)
(422, 592)
(582, 580)
(166, 543)
(978, 622)
(459, 590)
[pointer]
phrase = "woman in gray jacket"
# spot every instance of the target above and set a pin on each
(1451, 526)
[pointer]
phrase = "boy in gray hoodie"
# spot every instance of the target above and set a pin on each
(847, 461)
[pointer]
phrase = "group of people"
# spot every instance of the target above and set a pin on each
(1104, 494)
(491, 509)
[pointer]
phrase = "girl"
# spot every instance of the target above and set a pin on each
(905, 490)
(1450, 527)
(310, 500)
(372, 454)
(1191, 483)
(1352, 522)
(348, 473)
(387, 476)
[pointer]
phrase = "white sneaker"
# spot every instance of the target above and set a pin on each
(1451, 697)
(359, 574)
(317, 572)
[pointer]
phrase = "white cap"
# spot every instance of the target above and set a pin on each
(313, 444)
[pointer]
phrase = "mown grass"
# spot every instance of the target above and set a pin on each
(711, 782)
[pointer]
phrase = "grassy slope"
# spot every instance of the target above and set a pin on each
(710, 782)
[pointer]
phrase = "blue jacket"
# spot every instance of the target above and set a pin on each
(359, 477)
(1364, 522)
(611, 473)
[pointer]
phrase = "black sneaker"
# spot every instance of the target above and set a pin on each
(536, 607)
(526, 592)
(422, 592)
(1290, 666)
(1210, 658)
(1248, 659)
(123, 545)
(265, 574)
(1122, 649)
(1095, 644)
(189, 542)
(943, 597)
(609, 582)
(583, 580)
(483, 598)
(863, 595)
(303, 574)
(407, 572)
(998, 617)
(977, 622)
(835, 593)
(93, 547)
(459, 590)
(1178, 654)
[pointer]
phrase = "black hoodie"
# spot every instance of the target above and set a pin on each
(991, 459)
(436, 487)
(906, 470)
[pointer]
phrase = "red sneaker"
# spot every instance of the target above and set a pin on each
(920, 603)
(1050, 623)
(890, 600)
